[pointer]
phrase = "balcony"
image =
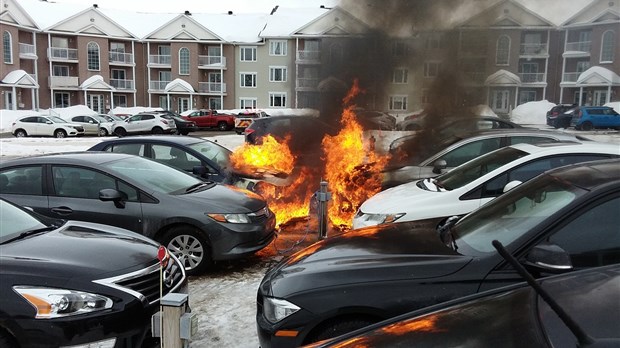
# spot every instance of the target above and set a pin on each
(63, 82)
(158, 85)
(211, 62)
(122, 84)
(57, 54)
(308, 56)
(577, 49)
(211, 87)
(570, 77)
(534, 49)
(307, 83)
(533, 77)
(119, 58)
(160, 60)
(27, 51)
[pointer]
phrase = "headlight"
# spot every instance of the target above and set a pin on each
(231, 218)
(275, 309)
(55, 303)
(376, 219)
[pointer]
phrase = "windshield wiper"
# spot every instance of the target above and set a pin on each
(200, 186)
(439, 185)
(446, 230)
(30, 233)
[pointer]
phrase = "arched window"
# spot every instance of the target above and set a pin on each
(502, 52)
(607, 47)
(93, 56)
(184, 61)
(7, 47)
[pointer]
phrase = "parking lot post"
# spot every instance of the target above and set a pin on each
(177, 325)
(323, 197)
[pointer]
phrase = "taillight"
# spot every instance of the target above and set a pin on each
(249, 131)
(163, 121)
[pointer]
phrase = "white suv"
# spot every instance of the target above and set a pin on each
(145, 123)
(47, 126)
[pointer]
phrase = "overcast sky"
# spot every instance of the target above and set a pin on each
(200, 6)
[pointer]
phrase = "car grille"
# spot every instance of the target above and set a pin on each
(144, 284)
(260, 215)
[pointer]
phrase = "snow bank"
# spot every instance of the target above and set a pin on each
(132, 110)
(531, 112)
(614, 105)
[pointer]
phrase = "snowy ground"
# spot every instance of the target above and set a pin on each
(224, 299)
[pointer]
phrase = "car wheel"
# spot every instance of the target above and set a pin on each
(157, 130)
(60, 134)
(6, 341)
(337, 328)
(184, 132)
(191, 248)
(20, 133)
(121, 132)
(222, 126)
(586, 126)
(103, 132)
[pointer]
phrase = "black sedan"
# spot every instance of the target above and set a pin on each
(563, 220)
(79, 284)
(191, 154)
(516, 316)
(199, 221)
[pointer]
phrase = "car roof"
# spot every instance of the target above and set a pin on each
(180, 140)
(568, 147)
(77, 157)
(589, 175)
(488, 133)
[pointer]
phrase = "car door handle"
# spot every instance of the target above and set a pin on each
(62, 210)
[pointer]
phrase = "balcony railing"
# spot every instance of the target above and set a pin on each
(62, 54)
(63, 81)
(158, 85)
(215, 62)
(307, 82)
(533, 49)
(532, 77)
(121, 58)
(211, 87)
(27, 51)
(475, 76)
(155, 59)
(307, 56)
(581, 46)
(122, 84)
(570, 77)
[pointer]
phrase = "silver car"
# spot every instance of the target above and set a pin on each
(94, 124)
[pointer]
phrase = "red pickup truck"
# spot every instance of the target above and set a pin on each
(211, 119)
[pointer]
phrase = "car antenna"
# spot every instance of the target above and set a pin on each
(584, 339)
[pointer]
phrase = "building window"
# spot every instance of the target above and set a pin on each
(184, 61)
(119, 100)
(248, 80)
(93, 56)
(433, 41)
(61, 100)
(527, 96)
(502, 52)
(277, 74)
(400, 75)
(607, 47)
(7, 46)
(248, 54)
(399, 48)
(183, 104)
(277, 100)
(215, 103)
(583, 65)
(163, 102)
(247, 103)
(60, 70)
(398, 103)
(277, 48)
(431, 69)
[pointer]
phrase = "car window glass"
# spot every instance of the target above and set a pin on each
(470, 151)
(79, 182)
(147, 117)
(214, 152)
(530, 139)
(22, 181)
(601, 246)
(135, 118)
(130, 149)
(130, 192)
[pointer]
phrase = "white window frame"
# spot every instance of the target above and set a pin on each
(431, 69)
(502, 54)
(93, 63)
(397, 103)
(163, 102)
(278, 47)
(526, 96)
(119, 100)
(7, 47)
(66, 95)
(242, 77)
(283, 73)
(243, 53)
(274, 96)
(400, 76)
(215, 103)
(184, 62)
(61, 68)
(607, 46)
(243, 101)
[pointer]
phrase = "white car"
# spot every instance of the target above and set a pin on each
(94, 124)
(47, 126)
(476, 182)
(145, 123)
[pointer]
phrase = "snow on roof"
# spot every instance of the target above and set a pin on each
(285, 21)
(138, 23)
(46, 14)
(550, 10)
(242, 27)
(15, 76)
(602, 73)
(184, 85)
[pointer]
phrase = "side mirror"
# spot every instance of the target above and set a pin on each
(49, 122)
(439, 165)
(549, 258)
(509, 186)
(107, 195)
(200, 170)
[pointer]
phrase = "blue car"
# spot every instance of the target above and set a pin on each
(590, 117)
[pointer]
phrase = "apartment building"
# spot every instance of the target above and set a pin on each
(503, 55)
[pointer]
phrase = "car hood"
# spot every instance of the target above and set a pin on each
(405, 198)
(391, 252)
(79, 250)
(225, 199)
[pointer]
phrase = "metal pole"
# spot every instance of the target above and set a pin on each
(323, 196)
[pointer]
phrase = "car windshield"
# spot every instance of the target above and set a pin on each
(14, 221)
(57, 119)
(112, 118)
(474, 169)
(214, 152)
(513, 214)
(153, 175)
(100, 119)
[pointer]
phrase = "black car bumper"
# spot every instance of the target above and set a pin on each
(238, 240)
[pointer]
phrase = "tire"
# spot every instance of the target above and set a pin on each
(59, 133)
(337, 328)
(222, 126)
(587, 126)
(20, 133)
(6, 340)
(184, 132)
(190, 246)
(157, 130)
(103, 132)
(121, 132)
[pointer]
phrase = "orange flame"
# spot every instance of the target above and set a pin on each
(428, 324)
(271, 156)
